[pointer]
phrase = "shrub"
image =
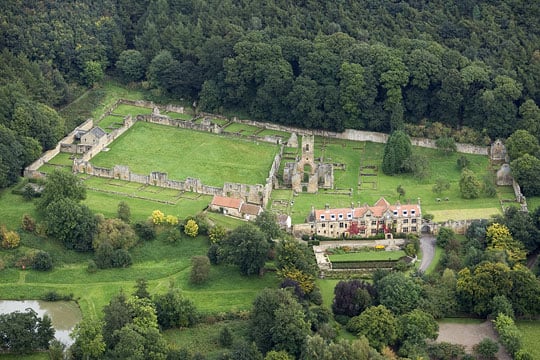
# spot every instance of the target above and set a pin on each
(173, 235)
(157, 217)
(509, 334)
(42, 261)
(171, 220)
(216, 234)
(445, 351)
(486, 349)
(92, 267)
(200, 269)
(10, 239)
(28, 223)
(225, 337)
(191, 228)
(213, 254)
(124, 212)
(121, 258)
(145, 231)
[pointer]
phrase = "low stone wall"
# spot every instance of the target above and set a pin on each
(184, 124)
(31, 171)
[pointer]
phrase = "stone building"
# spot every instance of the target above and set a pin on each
(305, 174)
(235, 207)
(365, 220)
(93, 136)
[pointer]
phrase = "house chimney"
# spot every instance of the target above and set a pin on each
(352, 205)
(326, 206)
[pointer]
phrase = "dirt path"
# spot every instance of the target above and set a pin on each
(469, 335)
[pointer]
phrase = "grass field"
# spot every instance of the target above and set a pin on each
(111, 122)
(531, 333)
(243, 129)
(367, 256)
(183, 153)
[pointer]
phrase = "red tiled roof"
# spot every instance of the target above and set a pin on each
(227, 202)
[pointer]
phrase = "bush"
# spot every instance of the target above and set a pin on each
(28, 223)
(225, 337)
(445, 351)
(121, 258)
(92, 267)
(145, 231)
(486, 349)
(509, 334)
(10, 239)
(42, 261)
(54, 296)
(213, 254)
(200, 269)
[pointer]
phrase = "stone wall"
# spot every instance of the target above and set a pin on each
(109, 138)
(184, 124)
(31, 170)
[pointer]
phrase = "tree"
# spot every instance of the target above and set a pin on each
(267, 223)
(444, 236)
(498, 237)
(247, 247)
(269, 315)
(278, 355)
(124, 212)
(28, 223)
(89, 338)
(469, 185)
(216, 234)
(377, 324)
(141, 289)
(10, 239)
(526, 171)
(521, 142)
(191, 228)
(416, 327)
(398, 293)
(145, 231)
(245, 351)
(225, 337)
(132, 64)
(92, 73)
(522, 226)
(115, 232)
(418, 165)
(42, 261)
(463, 162)
(71, 223)
(398, 148)
(61, 185)
(441, 185)
(352, 297)
(174, 311)
(25, 332)
(446, 144)
(116, 315)
(200, 269)
(292, 254)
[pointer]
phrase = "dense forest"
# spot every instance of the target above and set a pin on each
(470, 66)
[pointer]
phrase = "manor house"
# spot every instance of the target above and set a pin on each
(366, 220)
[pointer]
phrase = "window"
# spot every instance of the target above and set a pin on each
(374, 222)
(331, 226)
(332, 217)
(362, 223)
(340, 216)
(373, 231)
(405, 229)
(368, 215)
(322, 217)
(345, 225)
(323, 225)
(341, 225)
(349, 215)
(395, 212)
(363, 231)
(394, 222)
(413, 229)
(404, 212)
(413, 212)
(413, 221)
(405, 221)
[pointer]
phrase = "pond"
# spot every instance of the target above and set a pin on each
(64, 314)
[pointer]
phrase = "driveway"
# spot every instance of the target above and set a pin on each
(427, 245)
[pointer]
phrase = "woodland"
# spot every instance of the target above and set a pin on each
(466, 68)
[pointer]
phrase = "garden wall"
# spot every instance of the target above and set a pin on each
(31, 171)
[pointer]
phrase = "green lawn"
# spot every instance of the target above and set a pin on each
(436, 260)
(184, 153)
(243, 129)
(125, 109)
(327, 290)
(530, 329)
(367, 256)
(203, 338)
(176, 115)
(111, 122)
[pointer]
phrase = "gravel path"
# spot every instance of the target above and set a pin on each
(427, 245)
(469, 335)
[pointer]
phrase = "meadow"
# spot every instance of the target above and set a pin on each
(184, 153)
(530, 329)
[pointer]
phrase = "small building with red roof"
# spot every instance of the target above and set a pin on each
(235, 207)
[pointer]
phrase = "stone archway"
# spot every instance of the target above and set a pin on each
(426, 229)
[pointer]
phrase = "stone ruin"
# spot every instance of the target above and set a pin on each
(504, 176)
(498, 152)
(306, 173)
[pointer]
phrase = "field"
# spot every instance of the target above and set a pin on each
(184, 153)
(366, 182)
(531, 333)
(367, 256)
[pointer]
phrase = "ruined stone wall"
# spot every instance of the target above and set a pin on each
(109, 138)
(184, 124)
(32, 169)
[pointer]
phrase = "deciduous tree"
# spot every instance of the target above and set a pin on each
(247, 247)
(377, 324)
